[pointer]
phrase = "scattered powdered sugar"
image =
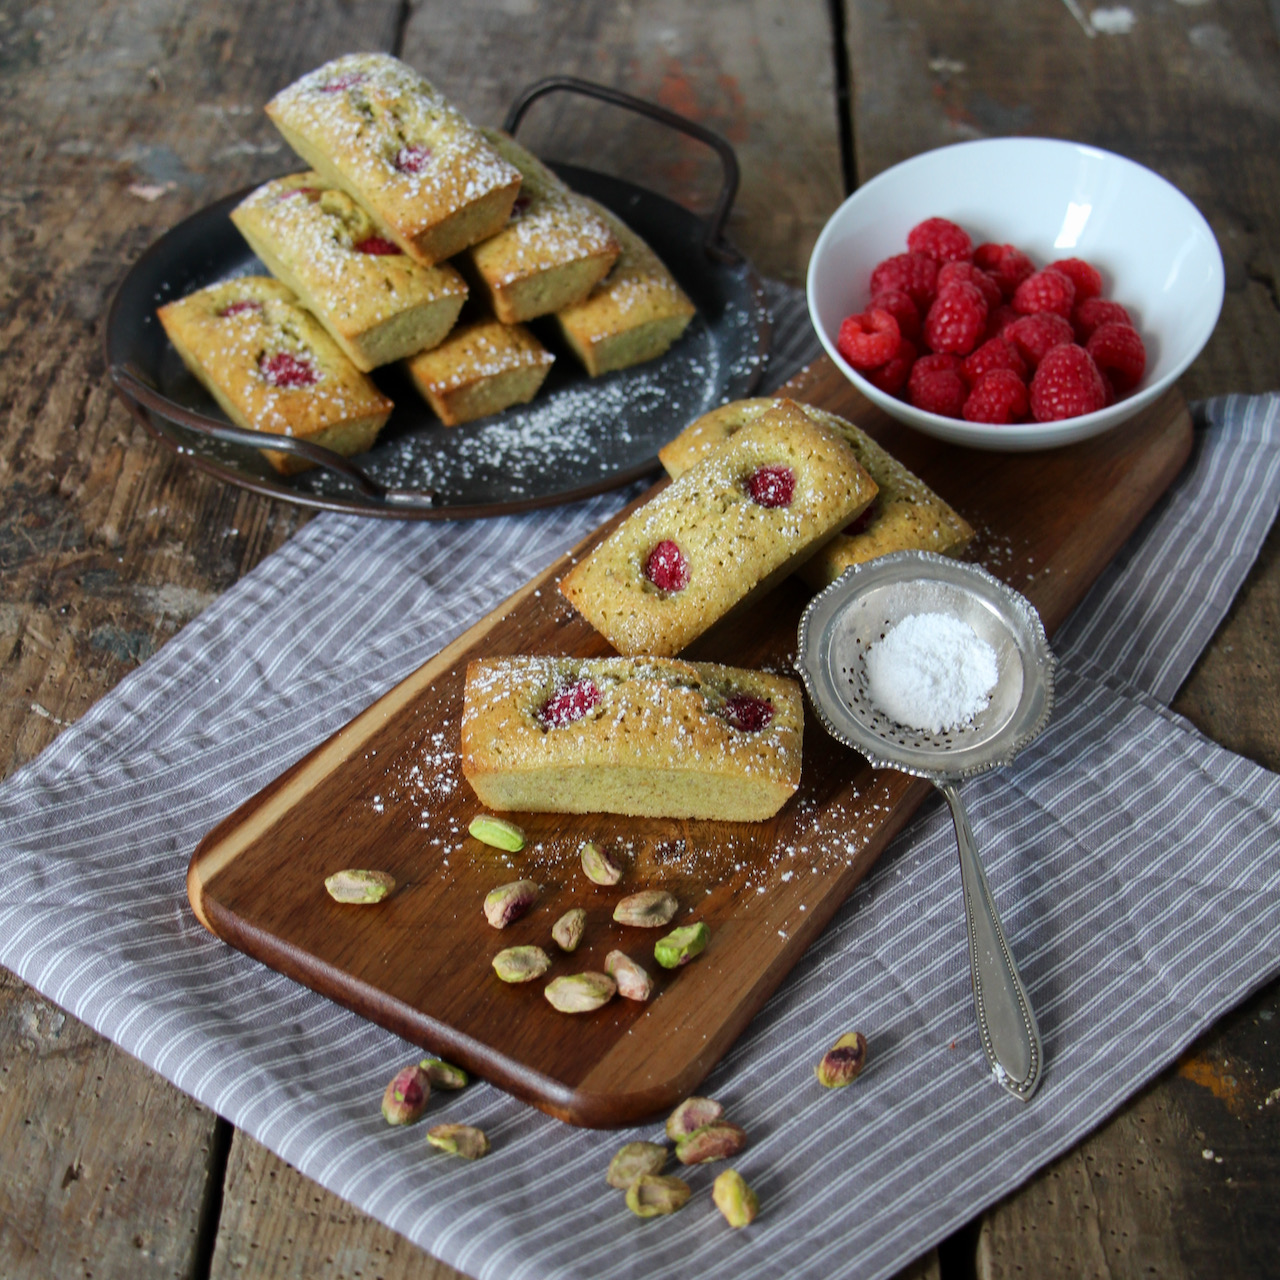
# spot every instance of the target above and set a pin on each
(931, 672)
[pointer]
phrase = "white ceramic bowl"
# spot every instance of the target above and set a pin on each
(1052, 199)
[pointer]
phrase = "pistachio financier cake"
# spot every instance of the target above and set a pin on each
(728, 529)
(272, 367)
(373, 126)
(377, 303)
(906, 514)
(647, 737)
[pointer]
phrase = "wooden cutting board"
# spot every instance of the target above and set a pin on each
(387, 792)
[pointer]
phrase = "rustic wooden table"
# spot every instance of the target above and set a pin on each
(118, 121)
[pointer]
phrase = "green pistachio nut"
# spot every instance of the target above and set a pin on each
(567, 931)
(360, 887)
(648, 909)
(444, 1075)
(692, 1114)
(580, 992)
(406, 1096)
(599, 865)
(842, 1063)
(497, 832)
(521, 964)
(635, 1160)
(681, 945)
(718, 1140)
(509, 902)
(459, 1140)
(633, 982)
(735, 1199)
(653, 1195)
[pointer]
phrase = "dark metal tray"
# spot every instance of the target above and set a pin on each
(579, 436)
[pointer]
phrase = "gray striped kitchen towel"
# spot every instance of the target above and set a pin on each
(1136, 864)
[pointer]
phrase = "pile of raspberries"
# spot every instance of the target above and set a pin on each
(980, 334)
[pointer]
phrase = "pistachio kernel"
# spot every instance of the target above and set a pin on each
(635, 1160)
(459, 1140)
(360, 887)
(842, 1063)
(567, 931)
(633, 982)
(734, 1198)
(509, 902)
(681, 945)
(648, 909)
(653, 1195)
(497, 832)
(580, 992)
(692, 1114)
(600, 866)
(715, 1141)
(406, 1096)
(444, 1075)
(521, 964)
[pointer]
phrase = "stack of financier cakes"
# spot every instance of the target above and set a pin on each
(359, 245)
(761, 489)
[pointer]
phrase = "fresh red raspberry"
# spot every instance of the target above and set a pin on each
(957, 320)
(995, 353)
(1033, 336)
(1093, 312)
(413, 158)
(940, 240)
(1045, 291)
(284, 369)
(1118, 351)
(892, 377)
(936, 386)
(898, 303)
(746, 713)
(240, 307)
(773, 485)
(666, 567)
(380, 246)
(868, 340)
(969, 274)
(1007, 266)
(1086, 277)
(569, 703)
(863, 522)
(999, 396)
(1066, 384)
(1000, 319)
(913, 273)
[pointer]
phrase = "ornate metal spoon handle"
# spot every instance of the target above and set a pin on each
(1010, 1037)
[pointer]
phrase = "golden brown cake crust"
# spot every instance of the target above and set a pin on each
(481, 368)
(552, 252)
(634, 314)
(271, 367)
(655, 737)
(733, 546)
(906, 514)
(377, 303)
(376, 128)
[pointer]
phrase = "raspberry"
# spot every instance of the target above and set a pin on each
(935, 385)
(1066, 385)
(868, 340)
(995, 353)
(892, 377)
(1045, 291)
(913, 273)
(863, 522)
(569, 703)
(1093, 312)
(287, 370)
(413, 158)
(773, 485)
(1007, 266)
(378, 245)
(1033, 336)
(667, 568)
(238, 308)
(899, 305)
(1000, 319)
(746, 713)
(999, 396)
(940, 240)
(1086, 277)
(966, 271)
(957, 320)
(1118, 351)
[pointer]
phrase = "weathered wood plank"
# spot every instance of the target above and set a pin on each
(106, 1168)
(1193, 92)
